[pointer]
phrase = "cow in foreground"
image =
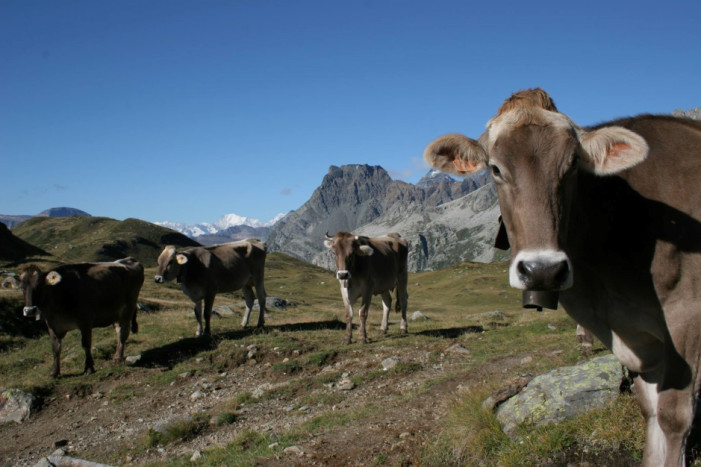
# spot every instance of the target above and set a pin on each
(84, 296)
(370, 266)
(609, 218)
(207, 271)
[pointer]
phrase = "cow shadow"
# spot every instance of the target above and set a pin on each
(452, 333)
(176, 352)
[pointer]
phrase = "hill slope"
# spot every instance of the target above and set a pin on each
(14, 249)
(78, 238)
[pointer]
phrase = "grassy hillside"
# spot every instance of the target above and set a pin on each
(295, 395)
(78, 238)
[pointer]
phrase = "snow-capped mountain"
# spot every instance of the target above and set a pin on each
(226, 222)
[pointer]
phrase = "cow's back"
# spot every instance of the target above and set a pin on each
(234, 264)
(388, 264)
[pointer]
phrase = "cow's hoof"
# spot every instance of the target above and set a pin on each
(404, 331)
(259, 330)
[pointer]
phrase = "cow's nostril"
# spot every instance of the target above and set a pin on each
(561, 272)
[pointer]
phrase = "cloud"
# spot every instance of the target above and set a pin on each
(59, 187)
(418, 165)
(286, 191)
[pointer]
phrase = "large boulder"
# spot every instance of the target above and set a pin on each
(563, 393)
(15, 405)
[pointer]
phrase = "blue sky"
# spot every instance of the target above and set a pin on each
(188, 110)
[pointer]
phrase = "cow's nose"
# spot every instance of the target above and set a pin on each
(159, 279)
(543, 275)
(30, 311)
(343, 275)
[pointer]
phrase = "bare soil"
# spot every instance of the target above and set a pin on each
(401, 411)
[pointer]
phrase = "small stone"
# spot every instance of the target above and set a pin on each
(294, 450)
(417, 315)
(405, 435)
(196, 395)
(131, 359)
(196, 456)
(389, 363)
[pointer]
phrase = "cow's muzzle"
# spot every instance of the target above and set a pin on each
(159, 279)
(32, 312)
(541, 274)
(343, 275)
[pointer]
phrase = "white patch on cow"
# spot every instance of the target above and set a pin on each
(524, 116)
(655, 438)
(626, 355)
(544, 256)
(53, 278)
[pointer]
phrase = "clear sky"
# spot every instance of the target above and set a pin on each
(188, 110)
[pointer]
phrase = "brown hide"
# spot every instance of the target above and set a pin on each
(370, 266)
(84, 296)
(609, 217)
(207, 271)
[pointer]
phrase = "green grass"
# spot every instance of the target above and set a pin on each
(302, 354)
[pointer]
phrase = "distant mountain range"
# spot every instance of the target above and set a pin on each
(365, 200)
(229, 228)
(11, 221)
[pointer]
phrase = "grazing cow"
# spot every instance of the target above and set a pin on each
(84, 296)
(207, 271)
(370, 266)
(609, 218)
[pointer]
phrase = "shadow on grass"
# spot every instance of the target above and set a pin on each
(451, 333)
(175, 352)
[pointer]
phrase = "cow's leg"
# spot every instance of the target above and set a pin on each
(386, 307)
(260, 292)
(249, 299)
(363, 317)
(56, 348)
(669, 416)
(402, 299)
(585, 338)
(86, 342)
(208, 304)
(122, 331)
(349, 315)
(198, 317)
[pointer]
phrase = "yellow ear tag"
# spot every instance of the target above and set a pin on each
(181, 259)
(53, 278)
(463, 166)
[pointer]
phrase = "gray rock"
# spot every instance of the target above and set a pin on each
(417, 315)
(389, 363)
(563, 393)
(15, 405)
(66, 461)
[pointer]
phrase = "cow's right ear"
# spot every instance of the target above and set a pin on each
(328, 244)
(53, 278)
(181, 259)
(365, 250)
(456, 154)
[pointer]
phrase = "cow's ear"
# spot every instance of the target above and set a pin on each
(456, 154)
(609, 150)
(53, 278)
(181, 259)
(328, 244)
(364, 250)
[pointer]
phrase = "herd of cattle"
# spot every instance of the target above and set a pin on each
(605, 220)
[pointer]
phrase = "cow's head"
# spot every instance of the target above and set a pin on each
(534, 153)
(346, 247)
(32, 282)
(170, 263)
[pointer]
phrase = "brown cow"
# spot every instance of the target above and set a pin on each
(370, 266)
(207, 271)
(84, 296)
(608, 217)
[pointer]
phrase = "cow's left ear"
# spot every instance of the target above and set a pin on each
(456, 154)
(53, 278)
(181, 259)
(612, 149)
(364, 250)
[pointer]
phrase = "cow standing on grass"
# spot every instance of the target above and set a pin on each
(370, 266)
(84, 296)
(609, 217)
(207, 271)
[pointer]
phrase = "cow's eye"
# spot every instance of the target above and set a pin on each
(496, 173)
